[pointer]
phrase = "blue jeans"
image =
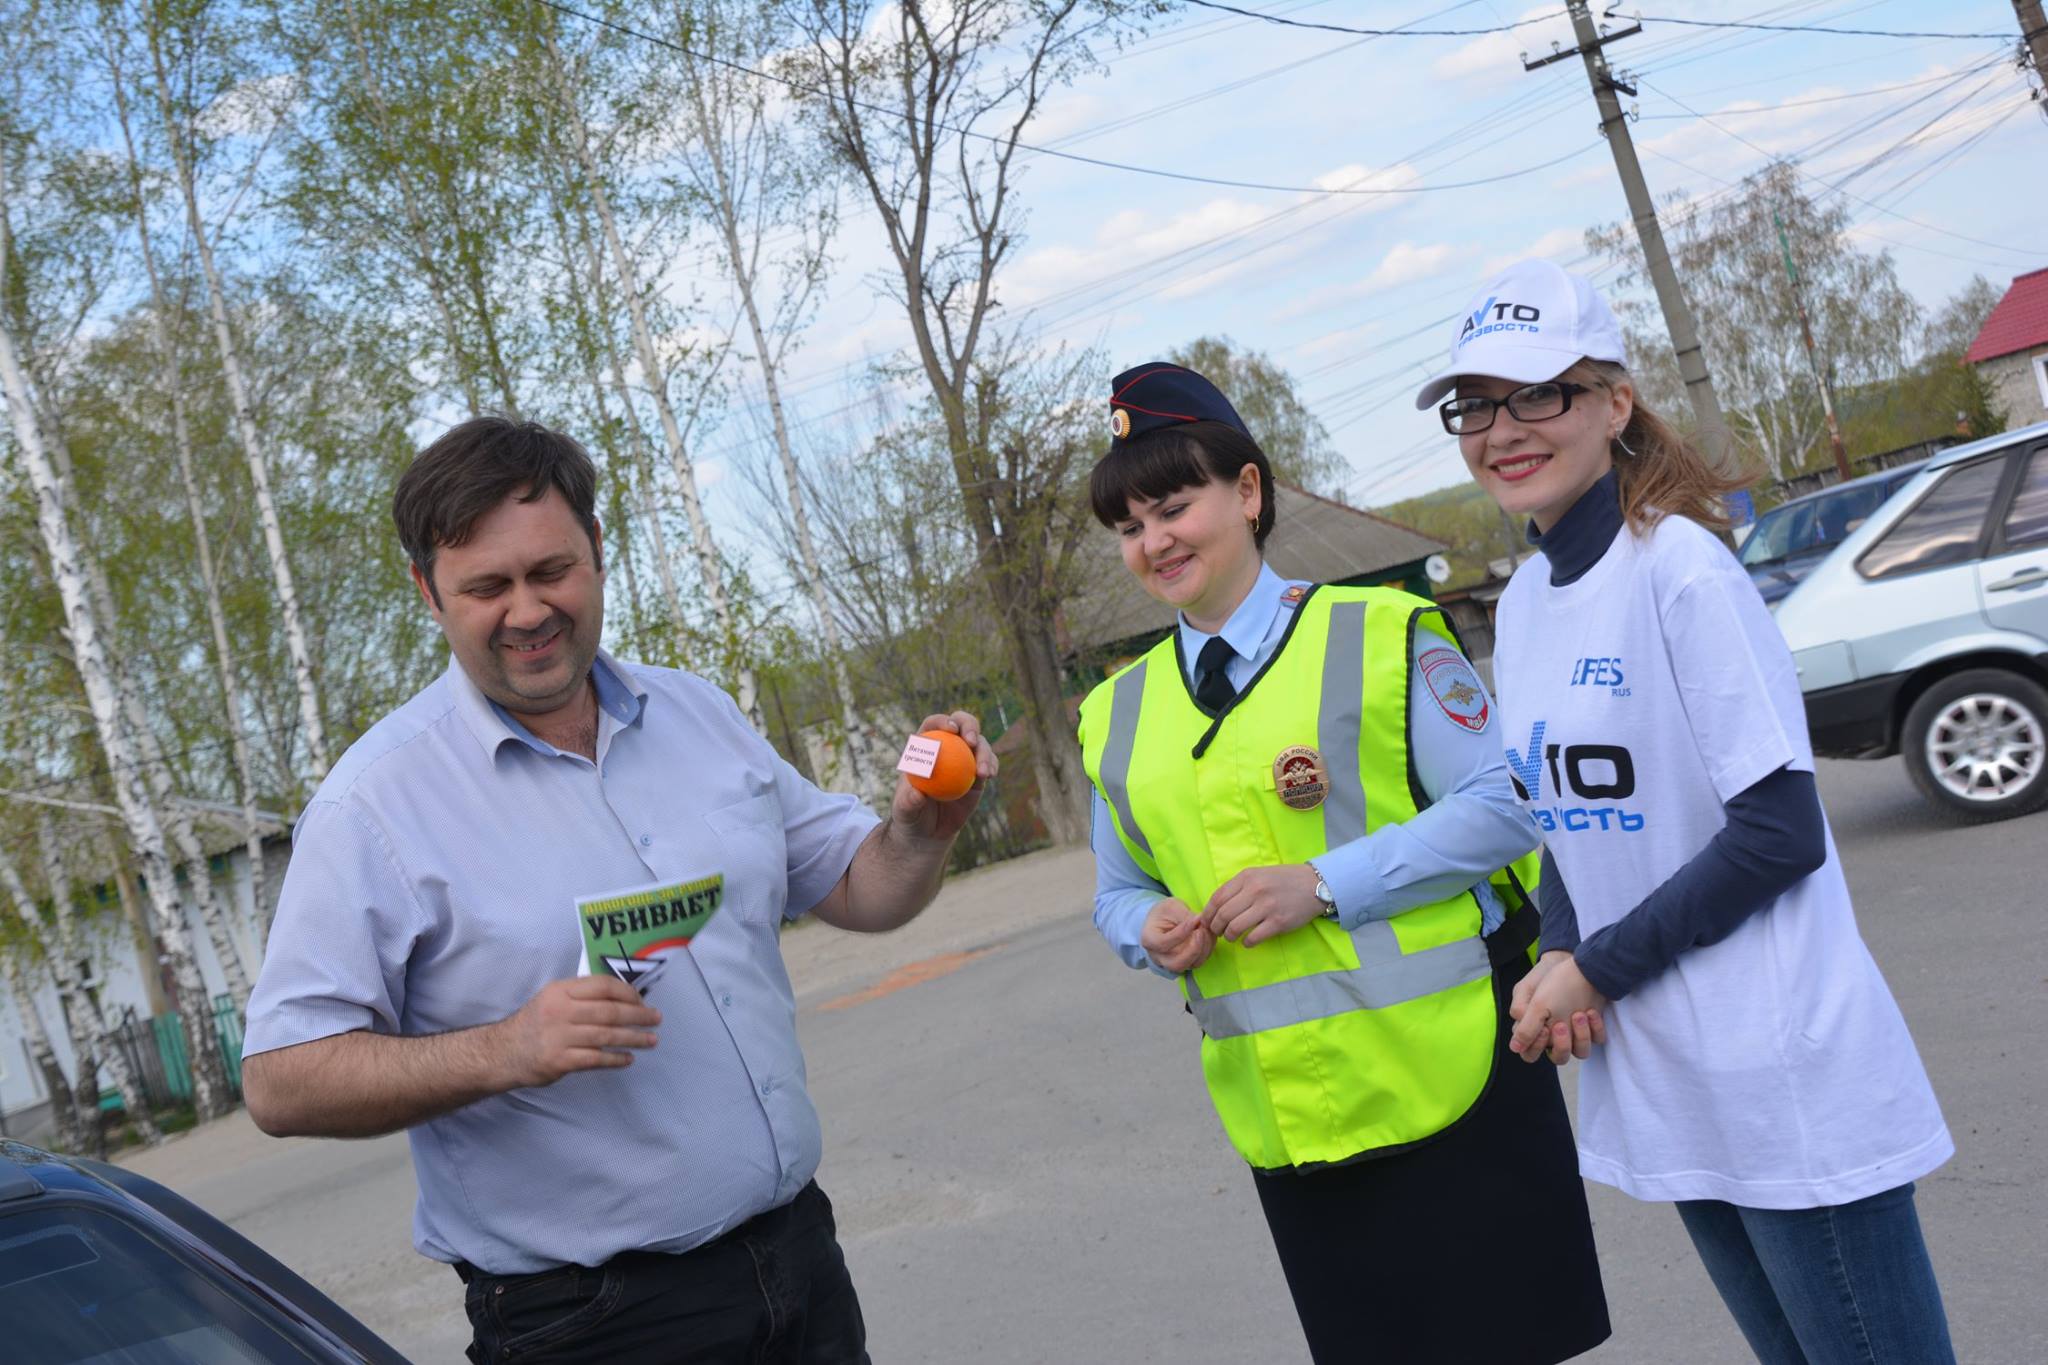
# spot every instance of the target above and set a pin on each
(1843, 1284)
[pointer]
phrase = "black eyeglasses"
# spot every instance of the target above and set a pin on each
(1530, 403)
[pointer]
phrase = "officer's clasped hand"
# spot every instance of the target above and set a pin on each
(1260, 902)
(1175, 938)
(1557, 1012)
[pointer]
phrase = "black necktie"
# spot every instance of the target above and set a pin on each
(1212, 678)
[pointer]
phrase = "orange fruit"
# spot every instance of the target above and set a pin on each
(952, 774)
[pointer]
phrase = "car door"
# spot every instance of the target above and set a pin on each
(2013, 576)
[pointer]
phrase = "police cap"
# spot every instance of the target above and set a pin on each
(1157, 395)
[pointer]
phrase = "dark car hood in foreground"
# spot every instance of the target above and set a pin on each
(32, 1179)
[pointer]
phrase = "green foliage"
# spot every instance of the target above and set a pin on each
(1263, 394)
(1469, 522)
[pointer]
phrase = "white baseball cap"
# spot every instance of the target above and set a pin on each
(1532, 321)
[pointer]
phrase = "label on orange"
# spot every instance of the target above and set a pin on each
(920, 757)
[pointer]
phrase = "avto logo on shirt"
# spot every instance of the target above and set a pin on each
(1603, 671)
(1495, 316)
(1590, 772)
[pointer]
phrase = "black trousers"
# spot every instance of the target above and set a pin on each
(773, 1291)
(1474, 1248)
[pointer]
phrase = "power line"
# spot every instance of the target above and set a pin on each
(1376, 32)
(1739, 24)
(1030, 148)
(1128, 280)
(1124, 281)
(1801, 104)
(1837, 187)
(1935, 165)
(1801, 28)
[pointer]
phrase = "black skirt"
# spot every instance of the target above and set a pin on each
(1417, 1258)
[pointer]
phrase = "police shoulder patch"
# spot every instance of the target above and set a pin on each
(1456, 688)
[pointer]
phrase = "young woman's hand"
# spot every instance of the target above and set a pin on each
(1175, 938)
(1555, 997)
(1576, 1038)
(1260, 902)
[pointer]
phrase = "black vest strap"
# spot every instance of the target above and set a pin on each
(1520, 929)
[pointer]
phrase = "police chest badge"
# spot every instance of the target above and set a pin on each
(1457, 689)
(1300, 777)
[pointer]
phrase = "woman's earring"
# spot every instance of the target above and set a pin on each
(1622, 445)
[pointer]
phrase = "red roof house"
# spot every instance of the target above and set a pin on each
(2011, 349)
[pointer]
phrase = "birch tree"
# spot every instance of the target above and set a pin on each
(565, 82)
(17, 953)
(594, 343)
(58, 177)
(92, 1041)
(926, 106)
(70, 953)
(1733, 251)
(177, 109)
(411, 173)
(173, 393)
(772, 206)
(145, 830)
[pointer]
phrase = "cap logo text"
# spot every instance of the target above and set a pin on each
(1495, 316)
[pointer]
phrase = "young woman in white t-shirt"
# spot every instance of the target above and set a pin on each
(1754, 1069)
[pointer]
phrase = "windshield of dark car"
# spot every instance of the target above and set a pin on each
(79, 1287)
(1811, 525)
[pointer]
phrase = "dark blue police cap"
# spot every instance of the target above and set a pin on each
(1162, 395)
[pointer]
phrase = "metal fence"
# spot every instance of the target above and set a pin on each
(155, 1052)
(1799, 485)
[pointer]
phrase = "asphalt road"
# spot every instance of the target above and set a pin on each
(1027, 1170)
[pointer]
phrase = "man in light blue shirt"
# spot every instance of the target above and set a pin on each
(615, 1179)
(1452, 844)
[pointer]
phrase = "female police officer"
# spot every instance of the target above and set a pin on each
(1302, 812)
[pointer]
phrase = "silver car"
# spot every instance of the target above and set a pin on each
(1925, 632)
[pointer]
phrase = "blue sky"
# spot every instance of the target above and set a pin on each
(1353, 293)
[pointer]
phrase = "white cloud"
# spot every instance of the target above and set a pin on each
(1559, 244)
(1500, 54)
(1356, 177)
(1330, 341)
(1070, 114)
(250, 108)
(1131, 239)
(1405, 263)
(1128, 239)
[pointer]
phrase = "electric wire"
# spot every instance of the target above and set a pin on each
(1801, 28)
(1004, 141)
(1871, 93)
(1285, 22)
(1837, 187)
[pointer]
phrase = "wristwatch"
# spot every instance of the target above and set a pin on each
(1326, 896)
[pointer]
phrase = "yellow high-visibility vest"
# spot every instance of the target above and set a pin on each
(1320, 1045)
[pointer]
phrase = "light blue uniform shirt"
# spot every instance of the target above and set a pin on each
(1473, 825)
(432, 887)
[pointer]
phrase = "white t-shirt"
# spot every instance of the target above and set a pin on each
(1771, 1069)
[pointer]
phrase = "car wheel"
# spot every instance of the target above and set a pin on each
(1976, 744)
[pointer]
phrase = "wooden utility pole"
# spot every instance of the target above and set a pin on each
(1685, 339)
(2034, 46)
